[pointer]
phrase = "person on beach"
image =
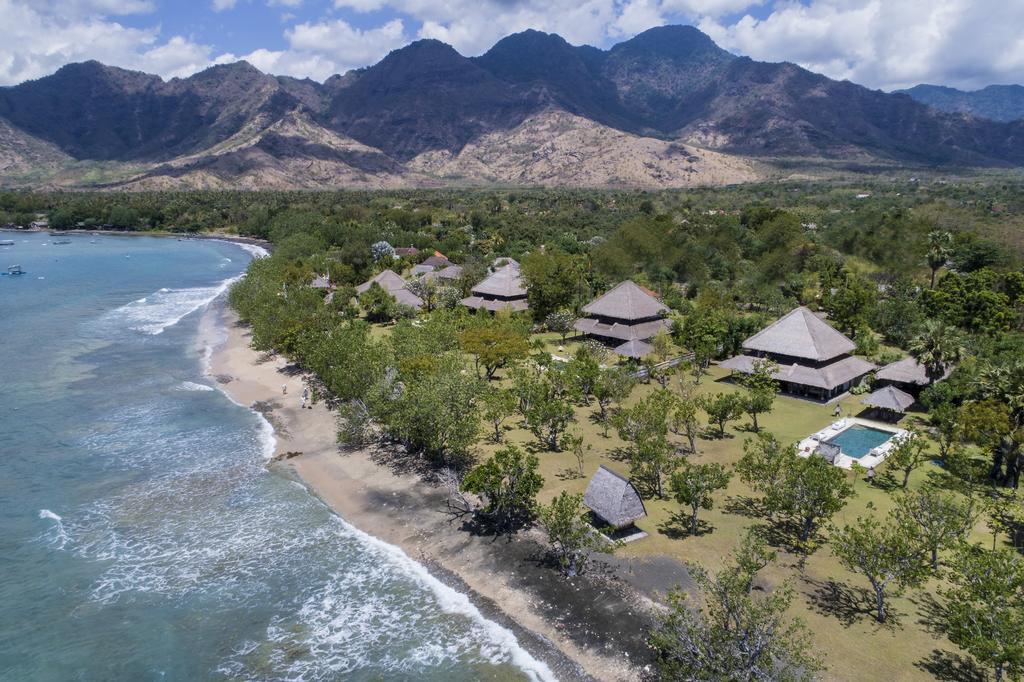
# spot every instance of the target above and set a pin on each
(305, 397)
(284, 389)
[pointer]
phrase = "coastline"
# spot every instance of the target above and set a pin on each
(590, 628)
(231, 238)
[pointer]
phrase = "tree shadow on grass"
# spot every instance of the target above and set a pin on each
(885, 481)
(569, 474)
(619, 454)
(677, 527)
(933, 613)
(945, 665)
(743, 505)
(848, 604)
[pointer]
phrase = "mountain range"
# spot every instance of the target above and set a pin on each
(995, 102)
(665, 108)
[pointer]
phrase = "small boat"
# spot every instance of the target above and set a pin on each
(6, 242)
(13, 270)
(60, 241)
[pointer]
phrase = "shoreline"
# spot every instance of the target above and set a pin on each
(165, 234)
(589, 628)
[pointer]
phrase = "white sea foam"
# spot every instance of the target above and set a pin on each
(165, 308)
(57, 534)
(192, 386)
(253, 250)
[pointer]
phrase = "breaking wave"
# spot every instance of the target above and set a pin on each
(164, 308)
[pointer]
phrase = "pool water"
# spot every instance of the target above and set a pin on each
(858, 440)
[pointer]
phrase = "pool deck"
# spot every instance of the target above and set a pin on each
(876, 456)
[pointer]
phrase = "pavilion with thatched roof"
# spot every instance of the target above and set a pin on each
(393, 284)
(908, 375)
(624, 316)
(503, 289)
(813, 359)
(613, 499)
(889, 400)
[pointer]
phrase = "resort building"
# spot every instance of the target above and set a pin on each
(908, 375)
(503, 289)
(626, 317)
(613, 499)
(438, 261)
(392, 283)
(321, 282)
(444, 275)
(813, 359)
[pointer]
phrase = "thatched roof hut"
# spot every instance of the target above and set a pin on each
(634, 348)
(813, 358)
(321, 282)
(627, 301)
(889, 398)
(907, 372)
(503, 289)
(392, 283)
(625, 313)
(388, 280)
(613, 499)
(801, 334)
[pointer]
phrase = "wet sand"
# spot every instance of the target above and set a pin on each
(588, 628)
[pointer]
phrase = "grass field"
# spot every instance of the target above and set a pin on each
(834, 602)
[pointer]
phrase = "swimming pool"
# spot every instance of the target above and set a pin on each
(858, 440)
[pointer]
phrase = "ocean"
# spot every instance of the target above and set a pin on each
(142, 537)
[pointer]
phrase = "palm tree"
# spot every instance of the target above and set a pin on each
(939, 247)
(937, 346)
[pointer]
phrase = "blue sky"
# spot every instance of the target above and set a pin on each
(885, 44)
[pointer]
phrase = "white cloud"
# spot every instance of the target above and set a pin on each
(888, 43)
(41, 37)
(222, 5)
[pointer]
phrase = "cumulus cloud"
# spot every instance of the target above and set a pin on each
(41, 37)
(880, 43)
(322, 49)
(888, 44)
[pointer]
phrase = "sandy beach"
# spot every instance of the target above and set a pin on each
(590, 628)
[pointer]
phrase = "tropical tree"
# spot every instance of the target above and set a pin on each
(644, 427)
(938, 520)
(613, 385)
(571, 537)
(909, 452)
(545, 401)
(722, 408)
(887, 555)
(808, 491)
(496, 406)
(763, 462)
(494, 346)
(560, 322)
(940, 246)
(694, 485)
(702, 332)
(985, 609)
(552, 281)
(761, 389)
(937, 346)
(732, 633)
(685, 419)
(508, 482)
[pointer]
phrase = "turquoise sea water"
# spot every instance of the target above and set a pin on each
(858, 440)
(141, 537)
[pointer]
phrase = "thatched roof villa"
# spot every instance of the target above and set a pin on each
(908, 375)
(814, 359)
(890, 400)
(626, 314)
(613, 499)
(503, 289)
(392, 282)
(436, 262)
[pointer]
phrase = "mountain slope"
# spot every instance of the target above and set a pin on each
(995, 102)
(533, 109)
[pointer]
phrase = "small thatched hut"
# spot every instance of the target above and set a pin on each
(628, 312)
(503, 289)
(613, 499)
(392, 283)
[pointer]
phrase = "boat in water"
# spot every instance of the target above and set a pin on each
(58, 242)
(13, 271)
(6, 242)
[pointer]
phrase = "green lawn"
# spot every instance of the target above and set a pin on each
(833, 601)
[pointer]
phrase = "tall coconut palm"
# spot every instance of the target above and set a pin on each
(940, 245)
(937, 346)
